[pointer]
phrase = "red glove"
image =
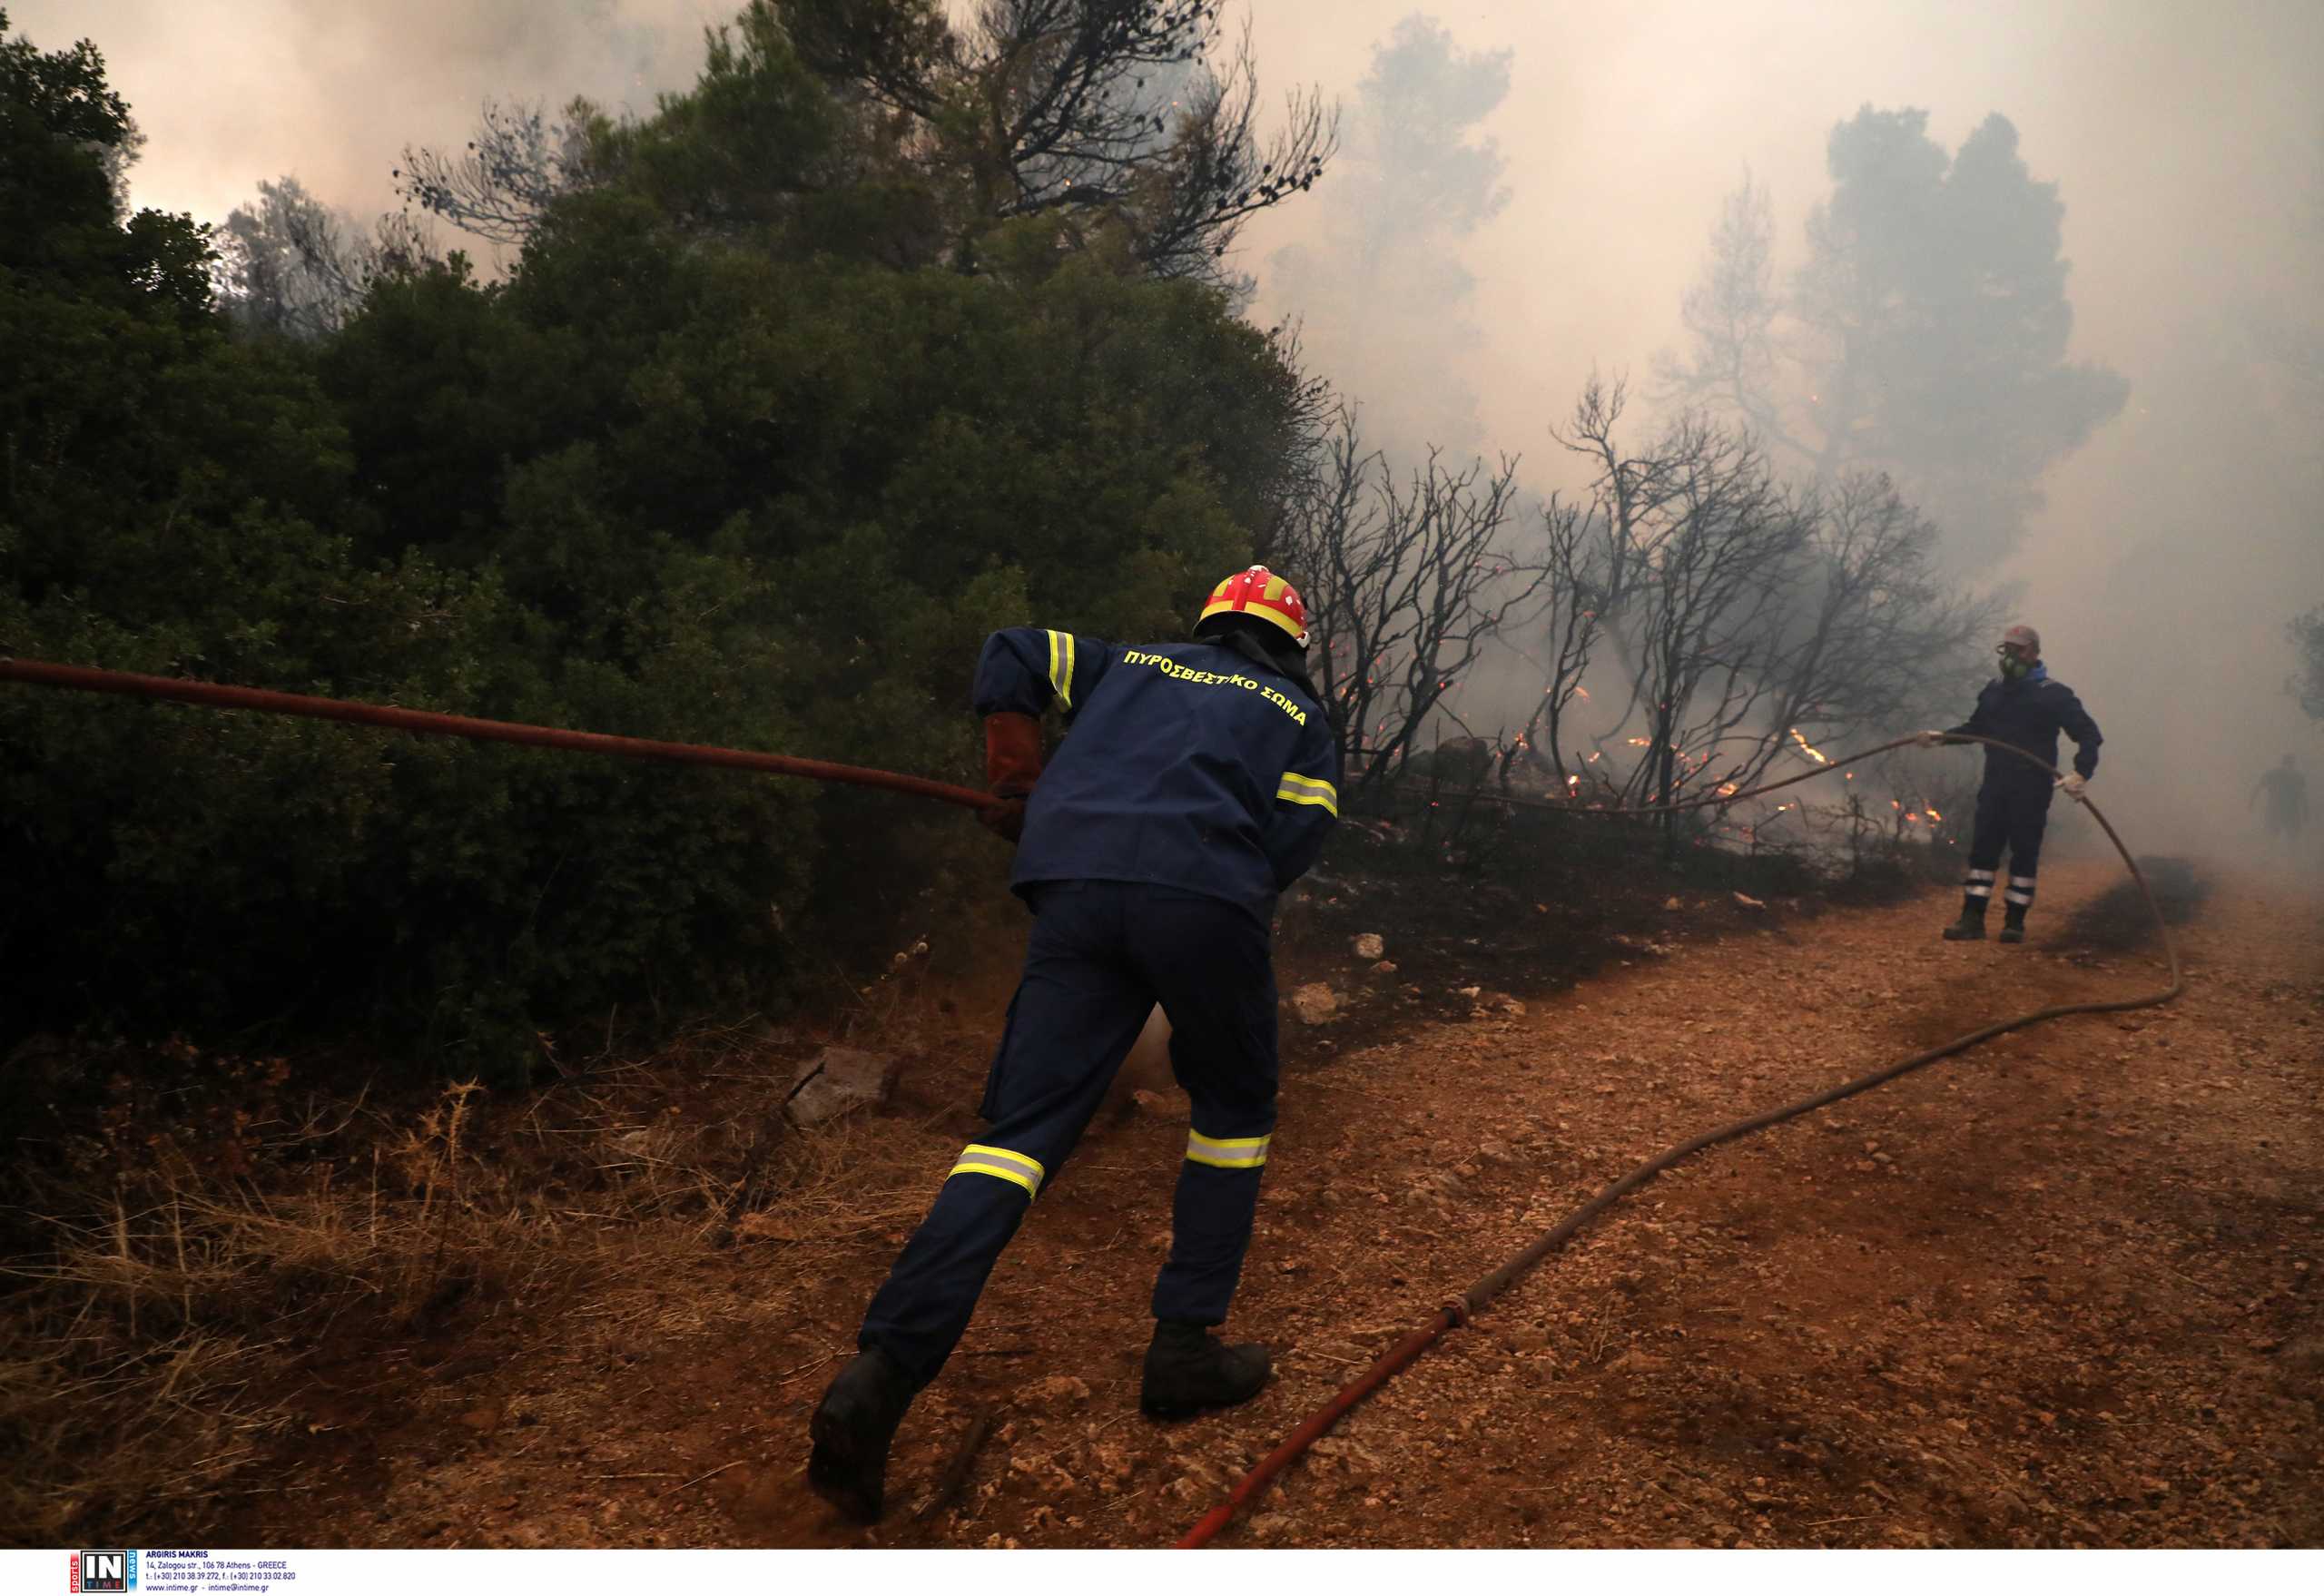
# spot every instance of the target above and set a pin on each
(1013, 763)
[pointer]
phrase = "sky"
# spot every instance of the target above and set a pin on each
(2187, 141)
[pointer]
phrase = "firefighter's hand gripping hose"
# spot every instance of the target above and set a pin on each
(1458, 1311)
(1461, 1309)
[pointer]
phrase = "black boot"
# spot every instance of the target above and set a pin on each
(1971, 926)
(1188, 1369)
(2013, 923)
(851, 1428)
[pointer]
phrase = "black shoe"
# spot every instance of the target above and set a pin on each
(1188, 1369)
(2014, 931)
(852, 1427)
(1969, 927)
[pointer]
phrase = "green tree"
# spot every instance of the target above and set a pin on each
(1925, 334)
(2307, 682)
(175, 502)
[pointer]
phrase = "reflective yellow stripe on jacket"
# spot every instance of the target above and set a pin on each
(1241, 1152)
(1061, 667)
(1296, 789)
(1002, 1165)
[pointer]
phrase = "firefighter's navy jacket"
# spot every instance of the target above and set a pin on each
(1186, 765)
(2030, 712)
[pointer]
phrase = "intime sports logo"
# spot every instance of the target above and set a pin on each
(105, 1573)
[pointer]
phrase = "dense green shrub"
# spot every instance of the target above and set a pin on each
(692, 472)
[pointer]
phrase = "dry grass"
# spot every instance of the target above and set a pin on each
(143, 1351)
(179, 1299)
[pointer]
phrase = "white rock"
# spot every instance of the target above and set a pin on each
(1370, 946)
(1315, 1003)
(838, 1080)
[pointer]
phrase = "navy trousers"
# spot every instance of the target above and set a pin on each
(2015, 816)
(1101, 955)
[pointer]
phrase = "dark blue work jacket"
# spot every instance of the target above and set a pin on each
(2030, 712)
(1186, 765)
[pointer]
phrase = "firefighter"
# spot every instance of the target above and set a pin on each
(2286, 791)
(2023, 706)
(1196, 782)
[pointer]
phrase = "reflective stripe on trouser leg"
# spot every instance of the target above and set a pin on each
(1238, 1152)
(1075, 1015)
(1978, 884)
(1000, 1163)
(920, 1312)
(2021, 890)
(1210, 1226)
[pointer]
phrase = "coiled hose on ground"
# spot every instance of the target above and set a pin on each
(1459, 1310)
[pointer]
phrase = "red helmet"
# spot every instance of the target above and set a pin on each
(1259, 592)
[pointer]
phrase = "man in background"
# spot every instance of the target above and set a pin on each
(2026, 708)
(2287, 794)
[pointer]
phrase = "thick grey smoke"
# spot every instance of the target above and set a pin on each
(230, 92)
(2168, 551)
(1385, 304)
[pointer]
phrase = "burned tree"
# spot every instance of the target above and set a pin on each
(1568, 636)
(1407, 579)
(1739, 614)
(517, 165)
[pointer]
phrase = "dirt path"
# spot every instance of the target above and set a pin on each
(2061, 1291)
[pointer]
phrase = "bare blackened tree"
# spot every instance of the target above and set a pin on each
(1742, 614)
(517, 165)
(1080, 111)
(1712, 565)
(1407, 580)
(1570, 633)
(1872, 639)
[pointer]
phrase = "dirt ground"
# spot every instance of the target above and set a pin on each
(2058, 1292)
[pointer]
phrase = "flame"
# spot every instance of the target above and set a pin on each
(1641, 742)
(1934, 815)
(1804, 748)
(1593, 759)
(1572, 782)
(1582, 693)
(1728, 789)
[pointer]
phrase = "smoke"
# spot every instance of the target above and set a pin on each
(1381, 297)
(231, 95)
(2170, 549)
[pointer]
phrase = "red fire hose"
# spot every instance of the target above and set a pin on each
(128, 684)
(1459, 1310)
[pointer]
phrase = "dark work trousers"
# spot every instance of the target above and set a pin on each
(1101, 955)
(2013, 814)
